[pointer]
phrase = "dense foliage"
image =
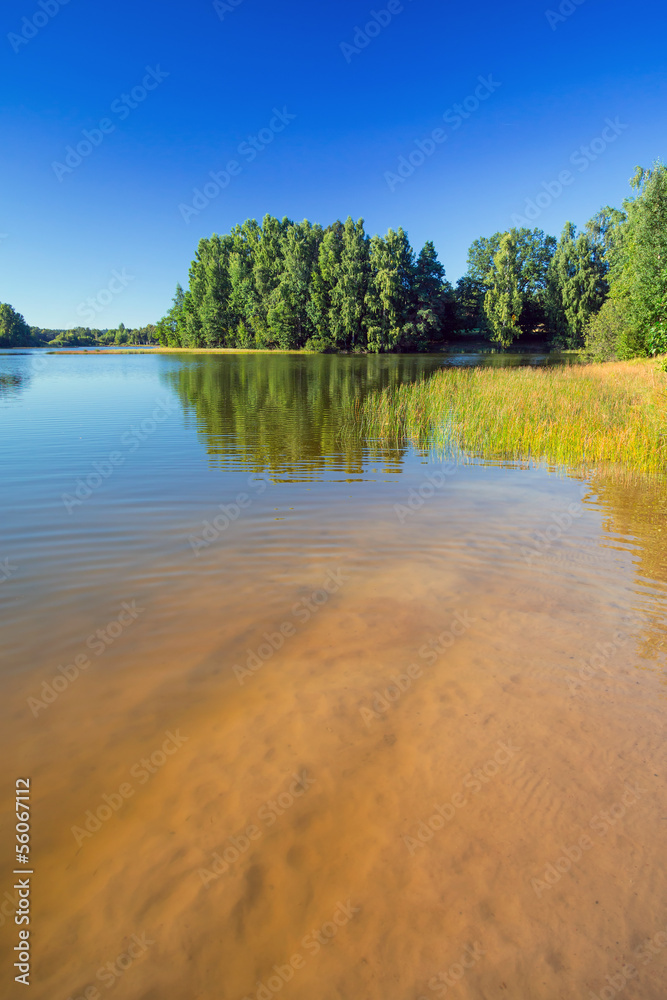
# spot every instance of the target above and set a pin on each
(638, 256)
(296, 285)
(605, 287)
(85, 337)
(14, 331)
(293, 285)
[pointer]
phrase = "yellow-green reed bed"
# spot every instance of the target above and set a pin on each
(579, 415)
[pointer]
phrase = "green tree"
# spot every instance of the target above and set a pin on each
(469, 301)
(350, 292)
(170, 329)
(533, 250)
(388, 295)
(267, 272)
(14, 331)
(288, 316)
(639, 265)
(432, 301)
(481, 254)
(605, 331)
(213, 306)
(326, 318)
(576, 284)
(503, 301)
(243, 296)
(603, 229)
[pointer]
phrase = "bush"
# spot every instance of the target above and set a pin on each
(243, 338)
(657, 335)
(608, 335)
(319, 345)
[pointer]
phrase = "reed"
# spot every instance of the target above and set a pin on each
(581, 415)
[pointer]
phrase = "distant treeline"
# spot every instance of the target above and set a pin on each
(15, 332)
(296, 285)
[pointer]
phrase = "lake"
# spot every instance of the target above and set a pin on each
(312, 717)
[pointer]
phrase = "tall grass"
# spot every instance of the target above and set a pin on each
(580, 415)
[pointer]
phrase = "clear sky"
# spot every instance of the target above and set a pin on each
(200, 79)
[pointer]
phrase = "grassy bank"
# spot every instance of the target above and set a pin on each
(582, 415)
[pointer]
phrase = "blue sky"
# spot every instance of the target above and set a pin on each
(105, 240)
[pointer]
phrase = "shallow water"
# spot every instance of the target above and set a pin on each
(465, 675)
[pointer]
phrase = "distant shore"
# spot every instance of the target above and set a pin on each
(476, 346)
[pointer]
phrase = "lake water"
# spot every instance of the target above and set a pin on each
(321, 720)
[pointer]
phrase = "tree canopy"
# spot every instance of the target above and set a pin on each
(14, 331)
(297, 285)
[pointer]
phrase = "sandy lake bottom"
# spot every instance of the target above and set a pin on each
(350, 726)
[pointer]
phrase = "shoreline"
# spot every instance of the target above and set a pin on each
(449, 348)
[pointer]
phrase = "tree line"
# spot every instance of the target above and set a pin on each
(292, 286)
(604, 288)
(15, 332)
